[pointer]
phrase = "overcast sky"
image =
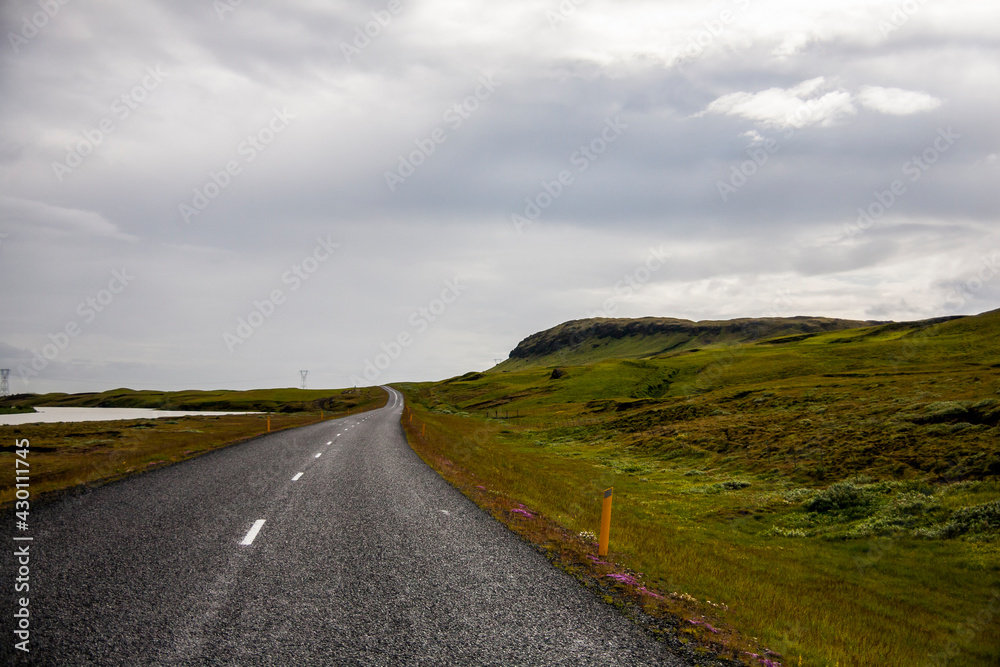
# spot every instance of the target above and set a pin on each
(199, 194)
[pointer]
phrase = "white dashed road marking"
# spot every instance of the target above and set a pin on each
(297, 476)
(248, 540)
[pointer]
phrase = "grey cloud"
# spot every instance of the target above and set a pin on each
(656, 184)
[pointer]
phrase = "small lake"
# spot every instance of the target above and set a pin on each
(51, 415)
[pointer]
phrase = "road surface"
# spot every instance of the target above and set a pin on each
(331, 544)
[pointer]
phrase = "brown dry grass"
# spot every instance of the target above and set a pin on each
(66, 455)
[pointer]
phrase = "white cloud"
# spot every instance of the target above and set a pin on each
(798, 106)
(896, 101)
(791, 45)
(804, 105)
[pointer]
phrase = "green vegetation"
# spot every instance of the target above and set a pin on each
(587, 341)
(9, 410)
(254, 400)
(835, 494)
(67, 455)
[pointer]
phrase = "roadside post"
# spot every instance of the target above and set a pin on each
(602, 549)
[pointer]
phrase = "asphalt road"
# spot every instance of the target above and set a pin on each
(365, 558)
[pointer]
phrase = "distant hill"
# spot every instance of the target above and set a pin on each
(901, 400)
(587, 341)
(260, 400)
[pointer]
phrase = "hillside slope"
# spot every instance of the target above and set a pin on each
(587, 341)
(895, 400)
(835, 494)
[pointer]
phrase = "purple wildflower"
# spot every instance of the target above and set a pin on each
(703, 623)
(521, 512)
(646, 591)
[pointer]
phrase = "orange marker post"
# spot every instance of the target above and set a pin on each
(602, 549)
(269, 423)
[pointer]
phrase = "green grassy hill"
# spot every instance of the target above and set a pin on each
(838, 489)
(587, 341)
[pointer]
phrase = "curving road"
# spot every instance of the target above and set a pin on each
(365, 557)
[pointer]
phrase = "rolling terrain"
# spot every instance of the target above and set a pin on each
(790, 491)
(835, 489)
(586, 341)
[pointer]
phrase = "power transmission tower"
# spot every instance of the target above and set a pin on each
(4, 382)
(303, 374)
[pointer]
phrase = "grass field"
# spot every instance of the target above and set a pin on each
(254, 400)
(72, 454)
(15, 410)
(832, 497)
